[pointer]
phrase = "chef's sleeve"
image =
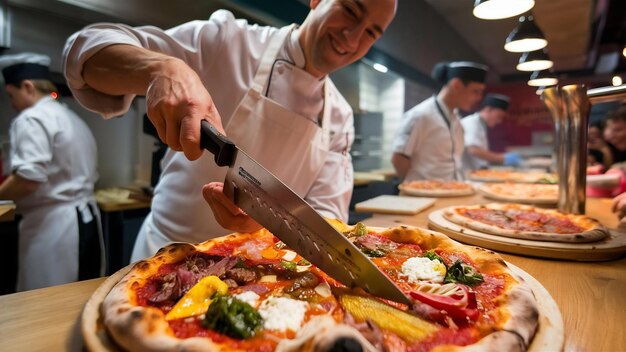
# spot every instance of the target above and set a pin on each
(408, 136)
(31, 149)
(471, 135)
(195, 42)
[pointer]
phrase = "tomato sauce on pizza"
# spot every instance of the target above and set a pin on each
(522, 220)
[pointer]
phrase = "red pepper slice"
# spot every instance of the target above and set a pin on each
(461, 312)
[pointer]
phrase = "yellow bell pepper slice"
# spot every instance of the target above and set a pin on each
(197, 300)
(405, 325)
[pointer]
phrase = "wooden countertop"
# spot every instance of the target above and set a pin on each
(590, 297)
(7, 212)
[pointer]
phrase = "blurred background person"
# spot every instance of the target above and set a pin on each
(615, 134)
(477, 154)
(429, 143)
(53, 170)
(599, 152)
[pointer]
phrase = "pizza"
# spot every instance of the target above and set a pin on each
(527, 222)
(436, 188)
(521, 192)
(495, 175)
(249, 292)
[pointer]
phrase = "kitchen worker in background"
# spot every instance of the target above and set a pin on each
(429, 143)
(477, 154)
(53, 161)
(267, 88)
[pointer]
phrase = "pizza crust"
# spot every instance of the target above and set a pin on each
(512, 176)
(521, 192)
(435, 192)
(595, 231)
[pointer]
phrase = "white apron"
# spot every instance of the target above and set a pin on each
(49, 238)
(289, 145)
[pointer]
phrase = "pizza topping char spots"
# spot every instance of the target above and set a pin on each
(282, 313)
(418, 269)
(523, 220)
(197, 300)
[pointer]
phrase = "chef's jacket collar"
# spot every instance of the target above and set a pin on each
(295, 50)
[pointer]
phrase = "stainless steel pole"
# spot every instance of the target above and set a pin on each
(570, 107)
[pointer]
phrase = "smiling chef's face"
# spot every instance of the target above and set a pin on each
(338, 32)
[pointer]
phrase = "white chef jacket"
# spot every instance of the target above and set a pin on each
(51, 145)
(434, 149)
(225, 53)
(475, 136)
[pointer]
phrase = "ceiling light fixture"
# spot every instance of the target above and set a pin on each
(380, 68)
(498, 9)
(617, 81)
(535, 61)
(542, 78)
(624, 51)
(525, 37)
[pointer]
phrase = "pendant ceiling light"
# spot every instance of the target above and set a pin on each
(535, 61)
(525, 37)
(498, 9)
(542, 78)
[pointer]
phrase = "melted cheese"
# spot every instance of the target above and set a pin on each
(282, 313)
(249, 297)
(418, 269)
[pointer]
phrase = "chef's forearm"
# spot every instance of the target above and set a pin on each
(16, 187)
(401, 163)
(125, 69)
(493, 157)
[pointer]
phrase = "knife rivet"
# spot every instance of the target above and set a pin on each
(348, 252)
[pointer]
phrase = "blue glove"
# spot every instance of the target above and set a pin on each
(512, 159)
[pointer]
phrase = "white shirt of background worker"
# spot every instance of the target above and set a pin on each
(268, 87)
(429, 143)
(53, 170)
(477, 154)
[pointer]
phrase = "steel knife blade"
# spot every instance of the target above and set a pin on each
(290, 218)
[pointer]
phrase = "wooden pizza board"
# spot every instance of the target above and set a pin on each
(612, 247)
(549, 335)
(388, 204)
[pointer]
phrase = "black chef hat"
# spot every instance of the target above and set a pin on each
(467, 71)
(16, 68)
(498, 101)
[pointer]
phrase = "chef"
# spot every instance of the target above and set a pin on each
(53, 170)
(477, 154)
(267, 88)
(429, 143)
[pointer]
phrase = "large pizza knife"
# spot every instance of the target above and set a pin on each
(290, 218)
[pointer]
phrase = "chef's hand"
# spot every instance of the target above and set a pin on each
(176, 102)
(512, 159)
(226, 213)
(619, 207)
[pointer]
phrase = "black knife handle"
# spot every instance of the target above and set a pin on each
(218, 144)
